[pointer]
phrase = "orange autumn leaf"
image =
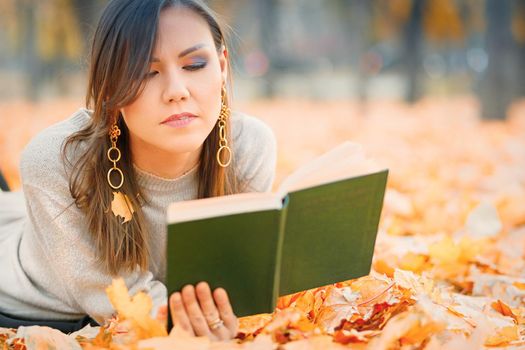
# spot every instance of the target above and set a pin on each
(344, 336)
(103, 338)
(519, 285)
(459, 314)
(420, 332)
(503, 336)
(506, 310)
(382, 266)
(286, 300)
(371, 289)
(250, 324)
(305, 302)
(135, 309)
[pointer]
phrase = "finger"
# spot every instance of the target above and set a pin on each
(178, 313)
(193, 309)
(209, 310)
(162, 315)
(225, 310)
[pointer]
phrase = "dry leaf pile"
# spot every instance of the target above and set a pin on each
(449, 265)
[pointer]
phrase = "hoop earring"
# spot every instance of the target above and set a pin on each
(121, 204)
(223, 143)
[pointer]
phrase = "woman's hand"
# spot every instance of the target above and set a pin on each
(200, 313)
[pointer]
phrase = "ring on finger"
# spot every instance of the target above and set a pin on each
(216, 324)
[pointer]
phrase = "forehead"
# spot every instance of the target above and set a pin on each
(180, 28)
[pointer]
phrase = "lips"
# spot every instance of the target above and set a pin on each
(181, 116)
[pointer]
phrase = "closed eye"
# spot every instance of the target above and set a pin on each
(195, 66)
(151, 74)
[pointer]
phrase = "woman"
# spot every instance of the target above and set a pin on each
(97, 184)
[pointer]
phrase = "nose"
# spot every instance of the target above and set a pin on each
(175, 89)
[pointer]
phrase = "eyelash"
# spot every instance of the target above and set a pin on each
(196, 66)
(191, 68)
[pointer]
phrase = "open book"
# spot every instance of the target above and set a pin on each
(318, 228)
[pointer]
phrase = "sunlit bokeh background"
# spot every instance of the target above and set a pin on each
(319, 72)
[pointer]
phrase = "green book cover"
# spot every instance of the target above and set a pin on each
(312, 232)
(330, 232)
(238, 252)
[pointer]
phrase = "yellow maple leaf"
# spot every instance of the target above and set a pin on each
(413, 262)
(470, 248)
(445, 251)
(136, 309)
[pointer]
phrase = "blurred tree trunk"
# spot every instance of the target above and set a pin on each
(87, 13)
(519, 14)
(496, 90)
(34, 74)
(363, 20)
(268, 21)
(413, 45)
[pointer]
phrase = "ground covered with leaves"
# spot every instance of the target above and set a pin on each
(449, 264)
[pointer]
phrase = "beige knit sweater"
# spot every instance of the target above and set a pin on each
(48, 264)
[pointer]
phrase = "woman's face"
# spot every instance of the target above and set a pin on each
(185, 76)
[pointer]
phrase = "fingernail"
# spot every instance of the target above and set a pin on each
(174, 298)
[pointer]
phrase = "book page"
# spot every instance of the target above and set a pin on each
(348, 170)
(221, 206)
(345, 161)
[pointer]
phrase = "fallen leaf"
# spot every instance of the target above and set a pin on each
(121, 206)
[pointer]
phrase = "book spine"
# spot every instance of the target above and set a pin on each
(279, 252)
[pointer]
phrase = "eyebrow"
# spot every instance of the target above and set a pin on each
(184, 52)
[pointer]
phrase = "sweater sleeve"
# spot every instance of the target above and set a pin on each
(255, 150)
(57, 251)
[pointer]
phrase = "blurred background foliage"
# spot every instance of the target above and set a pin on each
(333, 49)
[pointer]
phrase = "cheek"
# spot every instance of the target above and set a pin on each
(135, 114)
(209, 100)
(210, 89)
(140, 105)
(135, 122)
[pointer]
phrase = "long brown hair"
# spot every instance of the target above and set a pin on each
(120, 54)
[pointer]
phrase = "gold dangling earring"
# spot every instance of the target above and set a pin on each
(223, 143)
(121, 204)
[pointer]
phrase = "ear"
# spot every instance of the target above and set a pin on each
(223, 62)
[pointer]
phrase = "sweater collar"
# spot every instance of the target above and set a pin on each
(153, 182)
